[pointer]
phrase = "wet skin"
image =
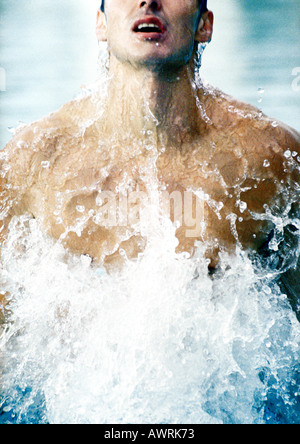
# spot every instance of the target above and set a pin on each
(56, 171)
(158, 128)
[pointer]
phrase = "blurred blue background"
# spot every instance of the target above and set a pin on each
(49, 49)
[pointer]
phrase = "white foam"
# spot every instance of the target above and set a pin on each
(158, 342)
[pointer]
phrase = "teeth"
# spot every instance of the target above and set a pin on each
(148, 25)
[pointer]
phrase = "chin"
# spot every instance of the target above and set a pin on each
(157, 53)
(157, 57)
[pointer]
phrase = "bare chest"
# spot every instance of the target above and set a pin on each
(98, 205)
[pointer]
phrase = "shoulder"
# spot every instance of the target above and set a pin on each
(42, 141)
(37, 135)
(270, 147)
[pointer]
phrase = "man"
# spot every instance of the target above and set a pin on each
(158, 129)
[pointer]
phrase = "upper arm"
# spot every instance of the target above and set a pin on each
(22, 162)
(276, 161)
(14, 179)
(6, 199)
(20, 167)
(286, 234)
(17, 174)
(5, 208)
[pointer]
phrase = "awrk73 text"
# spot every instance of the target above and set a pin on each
(172, 433)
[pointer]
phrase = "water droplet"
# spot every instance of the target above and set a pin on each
(21, 144)
(45, 164)
(80, 208)
(243, 206)
(287, 154)
(220, 205)
(260, 92)
(266, 163)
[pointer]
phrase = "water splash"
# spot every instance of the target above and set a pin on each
(158, 342)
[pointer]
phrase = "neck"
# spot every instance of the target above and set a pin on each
(144, 103)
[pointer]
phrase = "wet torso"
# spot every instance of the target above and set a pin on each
(232, 170)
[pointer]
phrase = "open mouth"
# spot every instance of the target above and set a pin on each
(150, 27)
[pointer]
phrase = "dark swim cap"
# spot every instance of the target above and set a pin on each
(203, 6)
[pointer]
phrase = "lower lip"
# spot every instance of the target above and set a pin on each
(150, 35)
